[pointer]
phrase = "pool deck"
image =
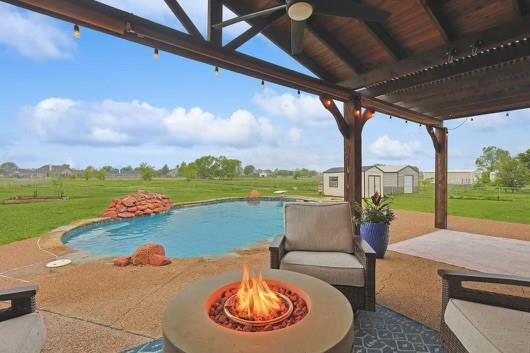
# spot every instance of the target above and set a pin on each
(92, 306)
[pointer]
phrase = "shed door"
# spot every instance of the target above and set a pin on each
(374, 185)
(408, 184)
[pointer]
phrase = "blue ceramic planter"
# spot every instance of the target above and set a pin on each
(376, 234)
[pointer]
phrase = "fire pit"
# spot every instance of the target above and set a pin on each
(281, 312)
(257, 305)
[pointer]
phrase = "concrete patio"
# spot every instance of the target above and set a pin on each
(92, 306)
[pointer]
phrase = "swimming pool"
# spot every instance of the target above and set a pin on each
(204, 230)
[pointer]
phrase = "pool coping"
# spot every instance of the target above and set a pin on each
(54, 239)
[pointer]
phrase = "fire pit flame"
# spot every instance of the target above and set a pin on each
(255, 298)
(254, 304)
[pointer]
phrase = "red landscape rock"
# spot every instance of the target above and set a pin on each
(140, 204)
(159, 260)
(122, 261)
(144, 254)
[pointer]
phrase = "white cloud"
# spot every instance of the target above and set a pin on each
(295, 135)
(108, 123)
(33, 35)
(304, 109)
(388, 149)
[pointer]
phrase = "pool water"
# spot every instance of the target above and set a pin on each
(205, 230)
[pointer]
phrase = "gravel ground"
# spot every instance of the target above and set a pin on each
(91, 306)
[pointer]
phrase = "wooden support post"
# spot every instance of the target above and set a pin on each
(351, 126)
(439, 139)
(215, 15)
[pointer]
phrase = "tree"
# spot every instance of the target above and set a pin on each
(146, 171)
(107, 168)
(227, 168)
(206, 167)
(102, 174)
(524, 157)
(188, 171)
(512, 173)
(491, 159)
(164, 171)
(127, 169)
(89, 172)
(249, 170)
(8, 168)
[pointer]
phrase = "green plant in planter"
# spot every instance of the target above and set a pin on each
(376, 210)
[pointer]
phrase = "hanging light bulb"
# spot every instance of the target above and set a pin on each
(420, 125)
(507, 114)
(406, 121)
(216, 71)
(156, 56)
(77, 31)
(298, 93)
(472, 119)
(390, 117)
(262, 84)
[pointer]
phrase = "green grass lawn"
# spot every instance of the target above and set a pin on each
(88, 199)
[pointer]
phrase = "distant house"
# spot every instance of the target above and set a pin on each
(264, 173)
(385, 179)
(117, 174)
(54, 170)
(457, 177)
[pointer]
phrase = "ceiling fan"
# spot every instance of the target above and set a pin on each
(301, 10)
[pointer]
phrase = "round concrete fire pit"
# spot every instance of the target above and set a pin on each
(328, 326)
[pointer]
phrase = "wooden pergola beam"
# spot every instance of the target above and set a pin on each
(329, 41)
(215, 15)
(259, 25)
(519, 7)
(183, 17)
(490, 38)
(434, 9)
(439, 139)
(467, 82)
(468, 64)
(389, 44)
(397, 111)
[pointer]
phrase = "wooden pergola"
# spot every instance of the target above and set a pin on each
(432, 61)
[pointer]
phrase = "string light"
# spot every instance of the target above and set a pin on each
(156, 55)
(216, 71)
(262, 84)
(472, 119)
(77, 31)
(420, 125)
(298, 93)
(390, 117)
(406, 121)
(507, 114)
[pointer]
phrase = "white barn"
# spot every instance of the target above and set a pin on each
(457, 177)
(385, 179)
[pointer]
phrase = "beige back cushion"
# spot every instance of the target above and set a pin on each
(318, 227)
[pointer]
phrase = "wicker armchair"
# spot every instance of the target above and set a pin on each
(319, 241)
(21, 327)
(481, 321)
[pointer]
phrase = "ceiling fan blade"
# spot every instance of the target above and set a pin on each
(249, 16)
(297, 36)
(352, 9)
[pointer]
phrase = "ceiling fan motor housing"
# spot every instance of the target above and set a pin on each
(299, 10)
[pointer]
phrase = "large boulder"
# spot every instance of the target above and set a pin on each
(150, 254)
(139, 204)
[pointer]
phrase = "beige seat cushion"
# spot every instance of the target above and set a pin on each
(488, 329)
(335, 268)
(318, 227)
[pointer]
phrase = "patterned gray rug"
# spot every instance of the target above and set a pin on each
(382, 331)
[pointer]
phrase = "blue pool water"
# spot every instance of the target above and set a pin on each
(204, 230)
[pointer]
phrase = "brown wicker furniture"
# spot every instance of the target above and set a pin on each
(319, 242)
(21, 327)
(481, 321)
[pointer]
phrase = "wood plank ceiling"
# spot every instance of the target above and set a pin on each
(442, 58)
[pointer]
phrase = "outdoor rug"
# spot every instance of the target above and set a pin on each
(382, 331)
(472, 251)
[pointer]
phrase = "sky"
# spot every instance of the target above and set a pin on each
(102, 101)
